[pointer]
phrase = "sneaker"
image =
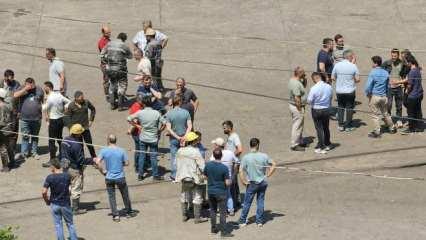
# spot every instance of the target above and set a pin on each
(242, 224)
(328, 148)
(297, 148)
(373, 135)
(407, 131)
(320, 151)
(116, 218)
(341, 128)
(131, 214)
(349, 129)
(231, 213)
(172, 179)
(399, 124)
(392, 130)
(36, 156)
(140, 178)
(259, 225)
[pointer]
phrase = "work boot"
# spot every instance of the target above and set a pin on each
(76, 210)
(113, 100)
(184, 207)
(121, 103)
(197, 214)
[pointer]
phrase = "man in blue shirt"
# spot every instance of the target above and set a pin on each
(376, 89)
(319, 98)
(255, 168)
(114, 159)
(59, 200)
(217, 181)
(325, 59)
(148, 89)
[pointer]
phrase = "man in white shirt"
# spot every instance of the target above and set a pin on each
(230, 161)
(144, 65)
(140, 42)
(54, 109)
(56, 71)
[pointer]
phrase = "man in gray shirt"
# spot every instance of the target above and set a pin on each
(150, 126)
(56, 71)
(153, 53)
(115, 55)
(296, 88)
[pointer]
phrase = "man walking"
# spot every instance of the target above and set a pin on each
(56, 71)
(30, 98)
(190, 101)
(73, 160)
(115, 55)
(78, 113)
(190, 166)
(150, 127)
(103, 41)
(376, 90)
(346, 75)
(58, 183)
(319, 98)
(296, 87)
(178, 124)
(255, 168)
(217, 181)
(5, 125)
(325, 60)
(54, 110)
(115, 158)
(394, 67)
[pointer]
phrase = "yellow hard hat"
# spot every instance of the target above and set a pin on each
(76, 129)
(191, 137)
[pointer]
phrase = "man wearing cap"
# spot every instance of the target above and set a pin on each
(5, 125)
(231, 162)
(139, 41)
(190, 167)
(103, 41)
(73, 160)
(153, 52)
(115, 55)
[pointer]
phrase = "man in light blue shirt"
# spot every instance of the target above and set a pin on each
(376, 90)
(346, 75)
(115, 158)
(319, 98)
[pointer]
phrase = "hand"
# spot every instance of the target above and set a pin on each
(90, 123)
(28, 87)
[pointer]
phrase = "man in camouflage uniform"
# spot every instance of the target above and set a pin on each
(115, 55)
(153, 51)
(5, 123)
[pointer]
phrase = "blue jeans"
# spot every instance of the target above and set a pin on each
(65, 212)
(174, 147)
(153, 149)
(258, 190)
(137, 148)
(32, 128)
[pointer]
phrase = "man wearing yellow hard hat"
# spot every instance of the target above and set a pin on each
(190, 167)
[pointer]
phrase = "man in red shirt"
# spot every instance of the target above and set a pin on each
(134, 130)
(103, 41)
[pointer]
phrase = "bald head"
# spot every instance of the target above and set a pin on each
(106, 31)
(112, 139)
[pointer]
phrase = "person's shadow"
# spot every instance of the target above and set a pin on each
(267, 216)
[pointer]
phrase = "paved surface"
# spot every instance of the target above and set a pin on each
(240, 45)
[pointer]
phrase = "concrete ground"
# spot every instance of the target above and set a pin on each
(236, 55)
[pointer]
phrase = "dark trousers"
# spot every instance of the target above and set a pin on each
(346, 104)
(235, 191)
(13, 139)
(215, 202)
(87, 138)
(122, 186)
(55, 131)
(321, 119)
(397, 95)
(414, 111)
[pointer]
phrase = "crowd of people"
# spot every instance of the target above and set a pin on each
(396, 80)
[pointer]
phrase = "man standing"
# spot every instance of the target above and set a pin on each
(231, 162)
(115, 55)
(189, 99)
(58, 183)
(319, 98)
(346, 75)
(340, 48)
(144, 65)
(150, 127)
(72, 159)
(233, 144)
(5, 125)
(394, 67)
(256, 167)
(218, 181)
(325, 60)
(148, 89)
(56, 71)
(178, 125)
(140, 41)
(30, 112)
(296, 87)
(54, 110)
(103, 41)
(153, 53)
(78, 112)
(115, 158)
(190, 166)
(11, 86)
(376, 90)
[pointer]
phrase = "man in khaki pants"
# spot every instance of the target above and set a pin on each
(376, 90)
(296, 88)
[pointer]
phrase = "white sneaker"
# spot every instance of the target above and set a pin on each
(320, 151)
(328, 148)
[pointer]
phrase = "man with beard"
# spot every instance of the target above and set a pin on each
(325, 60)
(189, 99)
(340, 48)
(103, 41)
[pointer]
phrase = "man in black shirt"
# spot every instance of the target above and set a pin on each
(59, 201)
(325, 59)
(78, 113)
(189, 99)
